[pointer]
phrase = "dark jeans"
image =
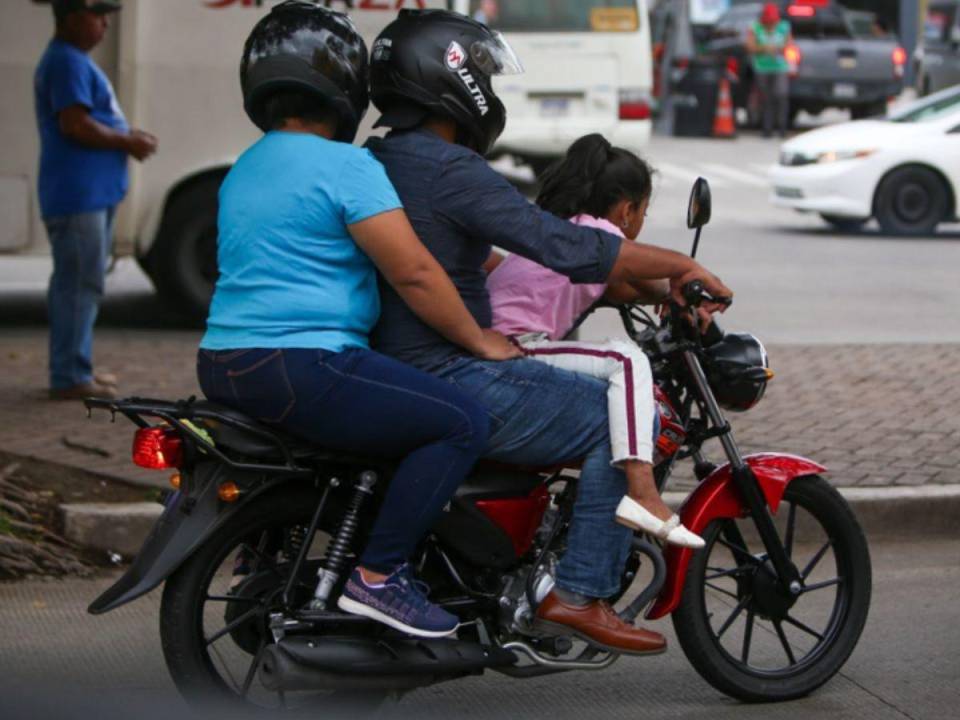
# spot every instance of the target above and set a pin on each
(775, 98)
(542, 415)
(81, 248)
(358, 401)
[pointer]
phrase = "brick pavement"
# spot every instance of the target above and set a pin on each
(877, 415)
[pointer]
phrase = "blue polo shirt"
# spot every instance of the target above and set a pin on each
(291, 276)
(73, 178)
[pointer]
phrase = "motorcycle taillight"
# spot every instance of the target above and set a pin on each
(157, 448)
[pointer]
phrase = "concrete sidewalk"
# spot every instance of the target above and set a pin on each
(876, 415)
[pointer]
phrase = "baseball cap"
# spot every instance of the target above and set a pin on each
(62, 8)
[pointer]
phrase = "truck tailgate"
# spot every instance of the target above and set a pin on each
(846, 60)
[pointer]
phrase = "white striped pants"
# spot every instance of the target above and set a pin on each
(626, 369)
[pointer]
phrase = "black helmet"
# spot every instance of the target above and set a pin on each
(441, 62)
(737, 368)
(303, 47)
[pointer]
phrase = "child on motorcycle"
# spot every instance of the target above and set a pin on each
(605, 187)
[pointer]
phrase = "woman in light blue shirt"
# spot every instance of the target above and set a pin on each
(306, 221)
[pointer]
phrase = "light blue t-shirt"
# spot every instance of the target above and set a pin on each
(291, 275)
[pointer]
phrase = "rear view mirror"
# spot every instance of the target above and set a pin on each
(698, 212)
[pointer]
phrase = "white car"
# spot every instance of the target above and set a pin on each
(903, 170)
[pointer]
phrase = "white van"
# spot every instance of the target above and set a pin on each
(588, 68)
(175, 66)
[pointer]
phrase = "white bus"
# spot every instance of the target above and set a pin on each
(588, 67)
(174, 64)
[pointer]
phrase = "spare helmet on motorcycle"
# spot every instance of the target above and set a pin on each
(437, 62)
(309, 50)
(737, 368)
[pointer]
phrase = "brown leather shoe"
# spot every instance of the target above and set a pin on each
(597, 624)
(79, 392)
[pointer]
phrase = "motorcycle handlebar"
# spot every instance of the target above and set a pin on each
(695, 294)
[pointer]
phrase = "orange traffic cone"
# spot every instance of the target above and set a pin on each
(724, 125)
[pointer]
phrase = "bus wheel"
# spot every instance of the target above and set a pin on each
(183, 261)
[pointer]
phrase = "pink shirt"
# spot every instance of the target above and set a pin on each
(528, 298)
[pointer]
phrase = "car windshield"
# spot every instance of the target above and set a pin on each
(929, 109)
(940, 18)
(557, 15)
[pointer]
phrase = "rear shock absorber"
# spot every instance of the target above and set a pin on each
(335, 561)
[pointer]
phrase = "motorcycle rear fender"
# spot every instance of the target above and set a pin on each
(186, 523)
(717, 497)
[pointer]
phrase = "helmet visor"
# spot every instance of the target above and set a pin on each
(494, 56)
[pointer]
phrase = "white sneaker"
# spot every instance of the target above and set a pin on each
(635, 516)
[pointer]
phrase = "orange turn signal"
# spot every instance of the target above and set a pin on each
(229, 492)
(770, 374)
(175, 481)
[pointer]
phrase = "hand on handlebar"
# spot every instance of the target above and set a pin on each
(495, 346)
(684, 290)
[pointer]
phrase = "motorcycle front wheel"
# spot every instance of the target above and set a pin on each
(751, 639)
(215, 610)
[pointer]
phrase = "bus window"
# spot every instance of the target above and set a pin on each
(557, 15)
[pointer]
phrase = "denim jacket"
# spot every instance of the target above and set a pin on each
(460, 207)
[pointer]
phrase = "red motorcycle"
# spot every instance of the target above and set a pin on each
(261, 532)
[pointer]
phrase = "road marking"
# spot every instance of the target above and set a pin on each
(734, 174)
(688, 176)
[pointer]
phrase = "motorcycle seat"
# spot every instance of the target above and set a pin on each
(255, 443)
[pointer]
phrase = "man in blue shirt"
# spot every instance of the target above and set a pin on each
(84, 145)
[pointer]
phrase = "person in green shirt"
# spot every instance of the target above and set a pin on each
(767, 40)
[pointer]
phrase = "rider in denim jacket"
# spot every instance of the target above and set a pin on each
(430, 77)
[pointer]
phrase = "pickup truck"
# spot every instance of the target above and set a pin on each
(830, 65)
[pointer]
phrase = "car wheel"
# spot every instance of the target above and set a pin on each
(911, 201)
(183, 262)
(845, 224)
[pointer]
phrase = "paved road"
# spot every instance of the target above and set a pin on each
(56, 662)
(796, 280)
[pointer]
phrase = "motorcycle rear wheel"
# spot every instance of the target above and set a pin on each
(197, 605)
(750, 641)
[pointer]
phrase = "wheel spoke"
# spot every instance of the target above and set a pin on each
(261, 557)
(231, 598)
(747, 637)
(783, 641)
(821, 585)
(252, 671)
(815, 559)
(799, 625)
(231, 626)
(733, 616)
(722, 573)
(721, 590)
(791, 525)
(739, 554)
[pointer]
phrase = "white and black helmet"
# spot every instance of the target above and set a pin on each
(436, 62)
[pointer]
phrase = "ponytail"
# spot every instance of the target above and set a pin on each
(592, 178)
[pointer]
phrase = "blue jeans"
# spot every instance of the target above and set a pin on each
(541, 415)
(360, 402)
(81, 247)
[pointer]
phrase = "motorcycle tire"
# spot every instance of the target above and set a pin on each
(184, 602)
(737, 676)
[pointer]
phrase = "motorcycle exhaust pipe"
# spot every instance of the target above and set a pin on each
(302, 663)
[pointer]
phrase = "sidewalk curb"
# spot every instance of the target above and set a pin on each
(914, 512)
(117, 528)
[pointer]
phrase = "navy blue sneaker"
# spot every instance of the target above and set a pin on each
(400, 602)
